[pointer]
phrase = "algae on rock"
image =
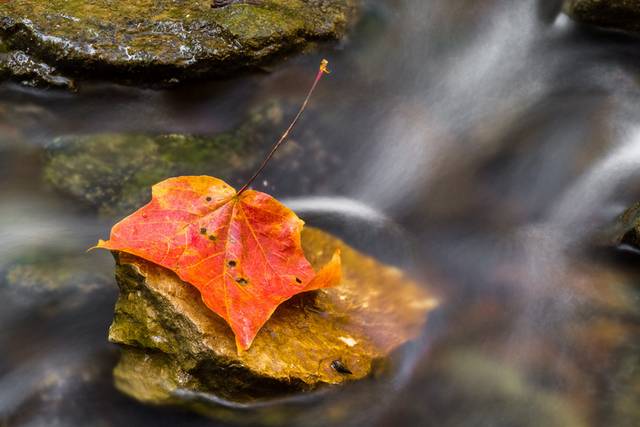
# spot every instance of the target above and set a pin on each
(165, 40)
(43, 274)
(115, 172)
(626, 229)
(19, 66)
(172, 344)
(618, 14)
(490, 391)
(58, 273)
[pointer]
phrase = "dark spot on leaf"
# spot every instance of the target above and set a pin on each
(298, 280)
(340, 368)
(242, 281)
(203, 231)
(212, 237)
(232, 263)
(208, 199)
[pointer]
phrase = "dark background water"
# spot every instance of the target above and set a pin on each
(497, 139)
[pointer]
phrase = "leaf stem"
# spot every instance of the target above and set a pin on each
(323, 70)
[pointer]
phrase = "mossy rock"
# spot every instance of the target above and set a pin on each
(617, 14)
(174, 348)
(625, 403)
(115, 172)
(166, 40)
(57, 274)
(19, 66)
(58, 280)
(626, 229)
(476, 389)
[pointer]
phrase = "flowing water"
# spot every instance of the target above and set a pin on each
(487, 145)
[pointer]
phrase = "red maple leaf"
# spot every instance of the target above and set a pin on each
(242, 251)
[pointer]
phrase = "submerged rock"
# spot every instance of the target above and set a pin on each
(173, 346)
(164, 40)
(488, 391)
(114, 172)
(617, 14)
(55, 274)
(59, 279)
(625, 406)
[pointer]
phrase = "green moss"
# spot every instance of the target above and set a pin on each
(115, 172)
(494, 393)
(44, 271)
(18, 66)
(136, 324)
(155, 378)
(624, 230)
(54, 279)
(165, 39)
(617, 14)
(624, 406)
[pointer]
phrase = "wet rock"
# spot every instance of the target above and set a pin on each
(18, 120)
(625, 407)
(470, 388)
(162, 40)
(606, 331)
(626, 230)
(51, 277)
(24, 69)
(43, 388)
(616, 14)
(114, 172)
(173, 346)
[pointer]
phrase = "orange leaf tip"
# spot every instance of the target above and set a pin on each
(323, 66)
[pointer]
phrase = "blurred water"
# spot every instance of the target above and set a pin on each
(484, 144)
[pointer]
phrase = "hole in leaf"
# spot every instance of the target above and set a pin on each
(208, 199)
(232, 263)
(340, 368)
(298, 280)
(242, 281)
(203, 230)
(212, 237)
